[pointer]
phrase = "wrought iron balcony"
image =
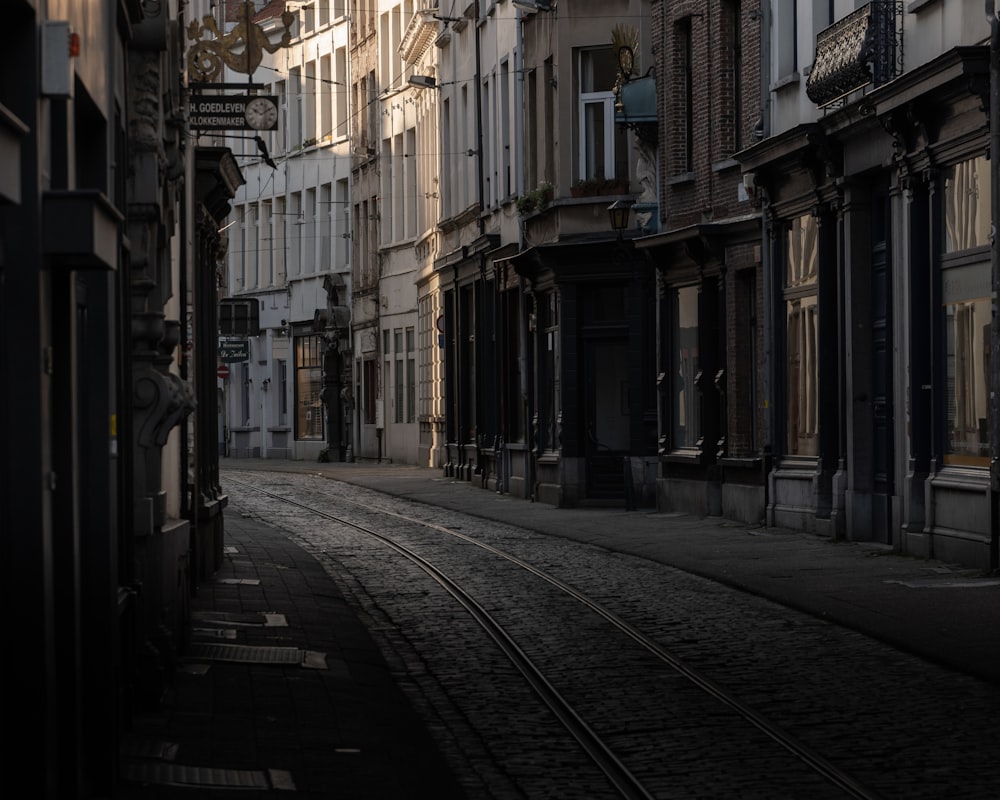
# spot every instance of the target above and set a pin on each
(863, 48)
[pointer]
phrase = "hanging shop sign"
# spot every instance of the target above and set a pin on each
(233, 113)
(234, 351)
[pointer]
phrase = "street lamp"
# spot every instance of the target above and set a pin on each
(422, 81)
(618, 213)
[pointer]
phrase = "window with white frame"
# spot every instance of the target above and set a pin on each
(603, 153)
(786, 14)
(279, 137)
(309, 91)
(410, 181)
(447, 159)
(308, 17)
(325, 88)
(340, 94)
(294, 136)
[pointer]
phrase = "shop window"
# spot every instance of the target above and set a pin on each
(967, 205)
(802, 338)
(967, 328)
(965, 292)
(308, 384)
(686, 398)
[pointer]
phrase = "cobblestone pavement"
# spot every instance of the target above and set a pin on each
(906, 727)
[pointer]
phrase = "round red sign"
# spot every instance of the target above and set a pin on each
(222, 371)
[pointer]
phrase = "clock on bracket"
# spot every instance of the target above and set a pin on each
(261, 113)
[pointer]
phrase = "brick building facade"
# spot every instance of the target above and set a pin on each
(707, 260)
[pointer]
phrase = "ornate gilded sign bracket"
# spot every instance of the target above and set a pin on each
(241, 49)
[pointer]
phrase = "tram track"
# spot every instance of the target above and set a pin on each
(626, 784)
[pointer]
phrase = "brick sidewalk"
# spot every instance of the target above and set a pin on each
(343, 730)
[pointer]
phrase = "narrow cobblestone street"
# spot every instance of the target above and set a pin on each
(899, 724)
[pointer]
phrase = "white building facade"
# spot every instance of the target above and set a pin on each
(289, 251)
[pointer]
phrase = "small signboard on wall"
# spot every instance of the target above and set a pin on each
(234, 351)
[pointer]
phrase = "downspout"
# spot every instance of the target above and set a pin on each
(519, 112)
(456, 330)
(480, 330)
(767, 261)
(994, 122)
(478, 302)
(479, 122)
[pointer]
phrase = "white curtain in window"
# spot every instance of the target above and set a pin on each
(967, 205)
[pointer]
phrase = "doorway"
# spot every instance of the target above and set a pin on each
(606, 417)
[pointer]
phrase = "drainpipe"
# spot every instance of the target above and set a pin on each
(766, 258)
(994, 121)
(479, 121)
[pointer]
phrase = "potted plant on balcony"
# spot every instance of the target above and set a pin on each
(537, 199)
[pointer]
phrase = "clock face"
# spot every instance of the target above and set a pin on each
(261, 113)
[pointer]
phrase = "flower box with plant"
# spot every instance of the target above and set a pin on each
(537, 199)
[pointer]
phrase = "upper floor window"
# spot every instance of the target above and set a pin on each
(786, 13)
(967, 205)
(603, 154)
